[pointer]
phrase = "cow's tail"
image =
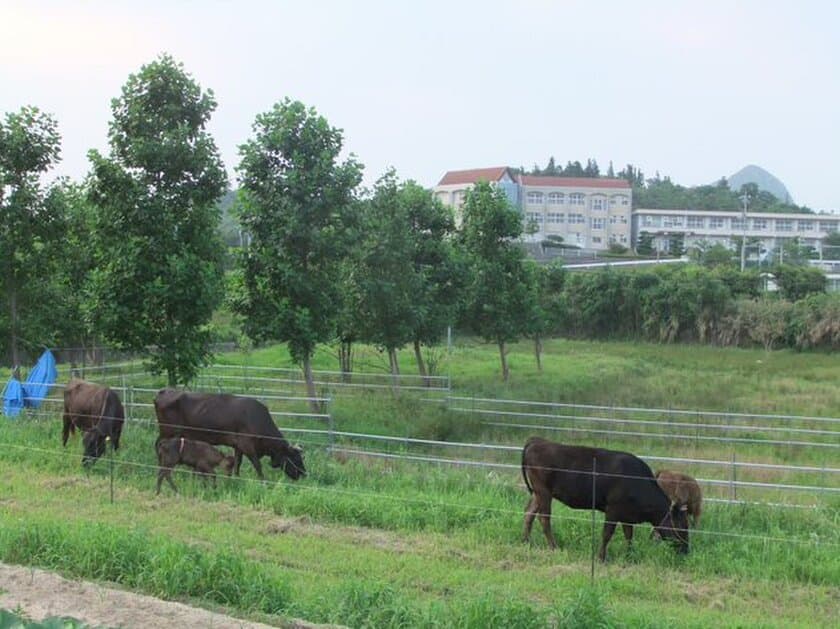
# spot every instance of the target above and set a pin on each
(525, 473)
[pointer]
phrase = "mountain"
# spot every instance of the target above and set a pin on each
(761, 178)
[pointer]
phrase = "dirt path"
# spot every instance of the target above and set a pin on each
(41, 594)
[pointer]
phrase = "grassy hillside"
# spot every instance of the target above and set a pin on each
(367, 541)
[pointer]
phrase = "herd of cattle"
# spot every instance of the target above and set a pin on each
(619, 484)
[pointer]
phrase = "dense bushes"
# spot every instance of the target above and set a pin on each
(696, 304)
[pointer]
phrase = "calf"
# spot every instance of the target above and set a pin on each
(683, 491)
(200, 456)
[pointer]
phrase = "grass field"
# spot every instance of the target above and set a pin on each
(370, 542)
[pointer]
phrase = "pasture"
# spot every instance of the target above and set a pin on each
(412, 511)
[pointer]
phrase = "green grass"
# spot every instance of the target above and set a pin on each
(373, 542)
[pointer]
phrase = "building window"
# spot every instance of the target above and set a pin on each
(759, 223)
(651, 221)
(579, 219)
(619, 199)
(556, 198)
(598, 203)
(535, 217)
(828, 226)
(739, 223)
(623, 238)
(576, 198)
(784, 225)
(555, 218)
(696, 221)
(535, 198)
(596, 239)
(806, 226)
(597, 223)
(716, 222)
(672, 221)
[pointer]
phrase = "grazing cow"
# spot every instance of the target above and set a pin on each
(625, 490)
(684, 491)
(200, 456)
(97, 411)
(242, 423)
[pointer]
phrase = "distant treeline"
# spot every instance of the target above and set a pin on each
(694, 304)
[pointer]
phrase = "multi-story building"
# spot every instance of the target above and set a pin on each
(588, 212)
(694, 226)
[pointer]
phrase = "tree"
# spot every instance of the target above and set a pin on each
(441, 271)
(830, 246)
(29, 147)
(387, 278)
(676, 245)
(797, 282)
(543, 308)
(573, 169)
(591, 169)
(499, 283)
(299, 202)
(158, 272)
(645, 245)
(611, 170)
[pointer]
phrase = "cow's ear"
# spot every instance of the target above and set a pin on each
(297, 447)
(684, 508)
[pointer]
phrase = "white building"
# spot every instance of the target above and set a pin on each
(589, 212)
(771, 229)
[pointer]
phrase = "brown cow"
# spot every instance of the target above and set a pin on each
(97, 411)
(200, 456)
(624, 489)
(684, 491)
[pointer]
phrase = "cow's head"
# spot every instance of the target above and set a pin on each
(94, 446)
(290, 459)
(674, 527)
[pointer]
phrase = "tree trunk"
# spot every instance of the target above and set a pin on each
(503, 356)
(395, 367)
(13, 323)
(314, 404)
(345, 360)
(538, 351)
(421, 365)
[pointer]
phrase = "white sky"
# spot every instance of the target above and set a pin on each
(695, 90)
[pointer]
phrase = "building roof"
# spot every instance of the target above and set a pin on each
(573, 182)
(455, 177)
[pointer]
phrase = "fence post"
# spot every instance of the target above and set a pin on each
(330, 424)
(733, 491)
(592, 533)
(110, 464)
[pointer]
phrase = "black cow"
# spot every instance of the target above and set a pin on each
(625, 490)
(220, 419)
(97, 411)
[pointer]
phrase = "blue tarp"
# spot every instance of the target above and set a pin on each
(41, 378)
(12, 398)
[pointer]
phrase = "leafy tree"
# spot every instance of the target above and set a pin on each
(796, 282)
(551, 169)
(29, 147)
(388, 281)
(712, 254)
(441, 270)
(645, 245)
(499, 289)
(831, 246)
(611, 171)
(676, 245)
(546, 304)
(158, 255)
(591, 169)
(573, 169)
(299, 202)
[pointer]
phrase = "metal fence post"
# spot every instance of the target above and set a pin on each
(733, 491)
(330, 423)
(592, 532)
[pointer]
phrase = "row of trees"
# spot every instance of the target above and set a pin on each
(132, 257)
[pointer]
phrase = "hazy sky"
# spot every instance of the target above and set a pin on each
(695, 90)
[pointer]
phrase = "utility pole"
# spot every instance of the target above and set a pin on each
(745, 198)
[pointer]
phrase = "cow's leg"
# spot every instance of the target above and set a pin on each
(65, 431)
(628, 532)
(166, 472)
(542, 505)
(530, 514)
(255, 461)
(237, 453)
(609, 529)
